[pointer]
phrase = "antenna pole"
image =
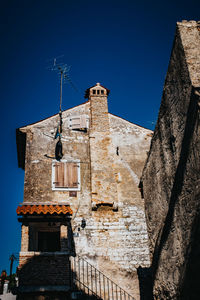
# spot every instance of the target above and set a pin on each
(63, 70)
(60, 112)
(61, 79)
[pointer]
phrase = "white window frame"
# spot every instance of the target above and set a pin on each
(65, 188)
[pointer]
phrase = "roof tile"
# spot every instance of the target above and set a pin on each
(44, 209)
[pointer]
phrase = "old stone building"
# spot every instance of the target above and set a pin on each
(171, 175)
(82, 216)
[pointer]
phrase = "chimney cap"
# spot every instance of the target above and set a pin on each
(87, 92)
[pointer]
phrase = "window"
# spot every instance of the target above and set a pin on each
(66, 176)
(94, 92)
(48, 241)
(80, 122)
(44, 237)
(98, 92)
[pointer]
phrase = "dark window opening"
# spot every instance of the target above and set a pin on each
(98, 92)
(102, 92)
(48, 241)
(94, 92)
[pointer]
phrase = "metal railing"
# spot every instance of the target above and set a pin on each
(92, 282)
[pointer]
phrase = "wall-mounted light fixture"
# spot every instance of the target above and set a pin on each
(83, 223)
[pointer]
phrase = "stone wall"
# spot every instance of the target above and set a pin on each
(116, 242)
(171, 174)
(40, 151)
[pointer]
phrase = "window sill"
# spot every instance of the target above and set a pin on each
(67, 189)
(32, 253)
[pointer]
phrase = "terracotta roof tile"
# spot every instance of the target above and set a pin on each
(44, 209)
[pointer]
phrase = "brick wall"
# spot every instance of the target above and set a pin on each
(44, 270)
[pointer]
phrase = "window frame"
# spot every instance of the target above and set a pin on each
(54, 188)
(34, 229)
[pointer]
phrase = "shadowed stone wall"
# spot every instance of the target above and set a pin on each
(171, 181)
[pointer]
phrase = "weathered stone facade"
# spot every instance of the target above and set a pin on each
(111, 153)
(171, 174)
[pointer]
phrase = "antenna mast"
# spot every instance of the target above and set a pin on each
(61, 79)
(63, 71)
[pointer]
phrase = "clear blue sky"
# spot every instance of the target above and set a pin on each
(124, 45)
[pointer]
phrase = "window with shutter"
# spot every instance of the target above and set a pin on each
(66, 176)
(83, 122)
(78, 122)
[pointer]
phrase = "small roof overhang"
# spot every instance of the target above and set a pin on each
(26, 210)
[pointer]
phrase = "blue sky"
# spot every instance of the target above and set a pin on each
(124, 45)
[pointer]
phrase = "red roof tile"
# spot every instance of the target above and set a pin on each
(44, 209)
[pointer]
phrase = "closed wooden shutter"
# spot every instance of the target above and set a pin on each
(66, 175)
(59, 174)
(83, 123)
(79, 122)
(75, 175)
(76, 122)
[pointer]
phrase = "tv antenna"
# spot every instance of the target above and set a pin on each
(62, 70)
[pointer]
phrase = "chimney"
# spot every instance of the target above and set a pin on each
(103, 179)
(97, 96)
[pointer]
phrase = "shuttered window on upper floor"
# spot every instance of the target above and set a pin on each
(78, 122)
(66, 176)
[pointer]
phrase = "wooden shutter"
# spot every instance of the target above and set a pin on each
(59, 174)
(83, 122)
(71, 175)
(76, 122)
(66, 175)
(75, 175)
(79, 122)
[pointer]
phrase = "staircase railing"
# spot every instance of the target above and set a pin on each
(91, 281)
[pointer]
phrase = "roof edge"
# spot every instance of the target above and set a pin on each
(23, 127)
(131, 122)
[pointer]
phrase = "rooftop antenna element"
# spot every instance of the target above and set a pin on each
(63, 71)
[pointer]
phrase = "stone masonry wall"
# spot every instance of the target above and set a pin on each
(171, 174)
(38, 167)
(116, 242)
